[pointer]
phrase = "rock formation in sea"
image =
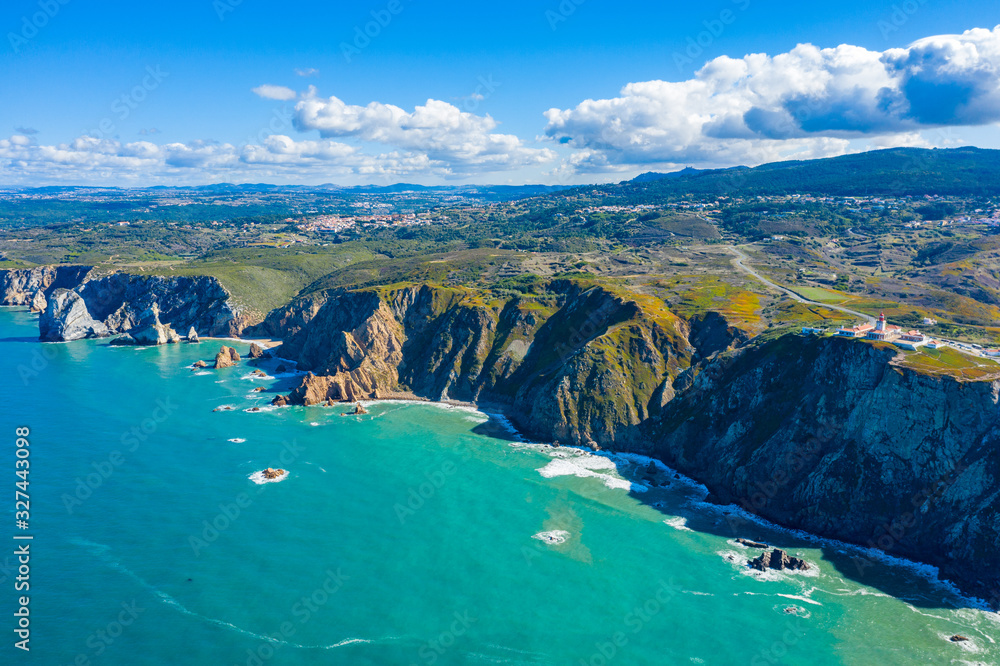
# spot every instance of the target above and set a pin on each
(778, 560)
(150, 331)
(192, 335)
(823, 434)
(121, 301)
(256, 351)
(66, 318)
(226, 358)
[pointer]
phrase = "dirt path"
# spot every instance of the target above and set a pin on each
(740, 261)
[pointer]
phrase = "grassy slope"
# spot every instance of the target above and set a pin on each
(263, 278)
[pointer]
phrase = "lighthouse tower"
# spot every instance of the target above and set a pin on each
(880, 326)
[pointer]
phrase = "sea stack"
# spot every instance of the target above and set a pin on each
(226, 358)
(255, 350)
(779, 560)
(192, 335)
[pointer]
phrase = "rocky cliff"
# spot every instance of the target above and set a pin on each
(581, 364)
(830, 436)
(78, 304)
(32, 286)
(827, 435)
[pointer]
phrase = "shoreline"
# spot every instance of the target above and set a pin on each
(498, 413)
(928, 572)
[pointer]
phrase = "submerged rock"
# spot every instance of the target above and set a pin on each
(778, 560)
(752, 544)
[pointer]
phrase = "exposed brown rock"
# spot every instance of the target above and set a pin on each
(226, 358)
(280, 401)
(271, 473)
(958, 638)
(256, 351)
(200, 364)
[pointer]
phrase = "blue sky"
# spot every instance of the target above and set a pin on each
(132, 94)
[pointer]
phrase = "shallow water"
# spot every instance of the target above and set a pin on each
(407, 536)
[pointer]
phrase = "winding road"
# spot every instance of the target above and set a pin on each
(739, 261)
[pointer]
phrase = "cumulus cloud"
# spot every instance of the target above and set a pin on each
(807, 102)
(267, 91)
(89, 159)
(441, 131)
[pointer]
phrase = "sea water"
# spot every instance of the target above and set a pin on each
(415, 534)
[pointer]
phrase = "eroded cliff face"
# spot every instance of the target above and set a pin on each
(829, 436)
(75, 303)
(32, 286)
(120, 301)
(583, 365)
(826, 435)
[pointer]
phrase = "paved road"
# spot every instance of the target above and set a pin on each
(741, 260)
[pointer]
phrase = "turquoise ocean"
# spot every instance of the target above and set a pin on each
(416, 534)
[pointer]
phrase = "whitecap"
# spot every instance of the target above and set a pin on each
(552, 537)
(801, 598)
(573, 462)
(678, 523)
(236, 440)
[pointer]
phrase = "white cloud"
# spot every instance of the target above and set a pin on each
(306, 71)
(446, 135)
(267, 91)
(278, 157)
(807, 102)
